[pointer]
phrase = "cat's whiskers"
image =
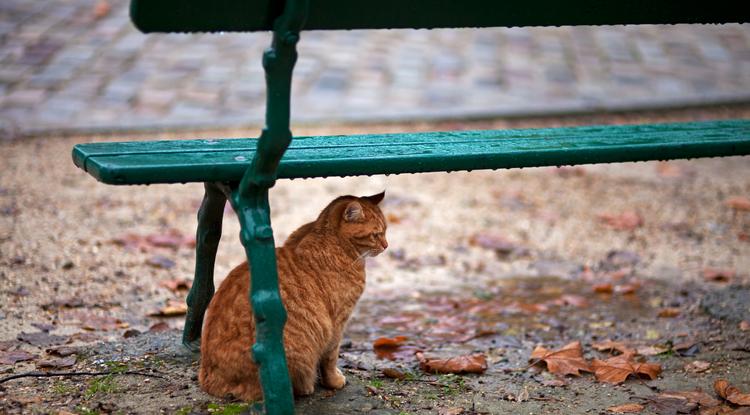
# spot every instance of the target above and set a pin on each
(362, 256)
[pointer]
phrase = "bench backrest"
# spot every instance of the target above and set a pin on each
(258, 15)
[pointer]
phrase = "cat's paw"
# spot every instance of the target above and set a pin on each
(335, 380)
(305, 389)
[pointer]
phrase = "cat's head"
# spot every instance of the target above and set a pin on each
(361, 223)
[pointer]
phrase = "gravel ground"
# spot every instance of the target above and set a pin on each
(76, 260)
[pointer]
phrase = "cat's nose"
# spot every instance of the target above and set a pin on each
(385, 244)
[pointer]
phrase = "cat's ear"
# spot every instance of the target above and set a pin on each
(353, 212)
(375, 199)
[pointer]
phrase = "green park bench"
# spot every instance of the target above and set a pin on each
(242, 170)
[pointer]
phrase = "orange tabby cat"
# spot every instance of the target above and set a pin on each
(321, 277)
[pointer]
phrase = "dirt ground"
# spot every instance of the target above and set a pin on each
(654, 255)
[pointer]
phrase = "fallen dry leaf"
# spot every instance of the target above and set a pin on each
(41, 339)
(393, 219)
(695, 396)
(572, 300)
(744, 325)
(177, 284)
(170, 238)
(158, 327)
(671, 405)
(501, 245)
(629, 288)
(61, 351)
(456, 410)
(616, 369)
(173, 308)
(567, 360)
(669, 170)
(474, 363)
(625, 221)
(13, 356)
(697, 366)
(718, 274)
(570, 171)
(687, 348)
(392, 373)
(628, 408)
(160, 261)
(651, 350)
(669, 312)
(605, 288)
(101, 9)
(724, 389)
(386, 342)
(93, 322)
(611, 346)
(739, 203)
(57, 363)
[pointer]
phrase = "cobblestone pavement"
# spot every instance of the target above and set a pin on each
(76, 65)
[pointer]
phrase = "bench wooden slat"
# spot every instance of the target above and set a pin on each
(255, 15)
(225, 160)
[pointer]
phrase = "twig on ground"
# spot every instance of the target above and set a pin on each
(53, 374)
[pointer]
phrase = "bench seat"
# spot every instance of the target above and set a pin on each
(225, 160)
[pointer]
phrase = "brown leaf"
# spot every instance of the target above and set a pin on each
(475, 363)
(625, 221)
(41, 339)
(628, 408)
(173, 308)
(697, 366)
(739, 203)
(13, 356)
(605, 288)
(456, 410)
(171, 239)
(501, 245)
(567, 360)
(651, 350)
(61, 351)
(669, 170)
(611, 346)
(388, 342)
(58, 363)
(392, 373)
(177, 284)
(629, 288)
(94, 322)
(131, 333)
(718, 274)
(729, 392)
(160, 261)
(572, 300)
(671, 405)
(616, 369)
(101, 9)
(696, 396)
(393, 219)
(669, 312)
(158, 327)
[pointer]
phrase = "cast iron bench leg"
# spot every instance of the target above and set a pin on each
(210, 216)
(270, 316)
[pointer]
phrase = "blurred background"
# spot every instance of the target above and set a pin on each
(81, 66)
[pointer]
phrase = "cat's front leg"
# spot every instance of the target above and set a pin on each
(330, 374)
